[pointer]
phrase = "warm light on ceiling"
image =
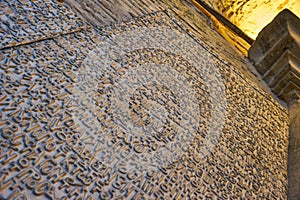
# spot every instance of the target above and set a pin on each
(251, 16)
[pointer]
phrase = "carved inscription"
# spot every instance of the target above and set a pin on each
(63, 135)
(27, 21)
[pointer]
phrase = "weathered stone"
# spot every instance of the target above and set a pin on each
(24, 22)
(77, 120)
(294, 149)
(275, 54)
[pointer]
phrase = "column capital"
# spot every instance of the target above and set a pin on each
(276, 55)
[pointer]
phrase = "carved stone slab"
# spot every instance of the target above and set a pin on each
(136, 110)
(24, 22)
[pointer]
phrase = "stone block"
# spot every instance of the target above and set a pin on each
(275, 54)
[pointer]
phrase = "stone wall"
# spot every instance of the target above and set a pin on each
(276, 56)
(153, 107)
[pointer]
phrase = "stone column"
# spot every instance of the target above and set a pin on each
(294, 150)
(276, 56)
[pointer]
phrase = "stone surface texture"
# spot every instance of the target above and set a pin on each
(251, 16)
(206, 28)
(101, 13)
(28, 21)
(97, 113)
(294, 148)
(275, 54)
